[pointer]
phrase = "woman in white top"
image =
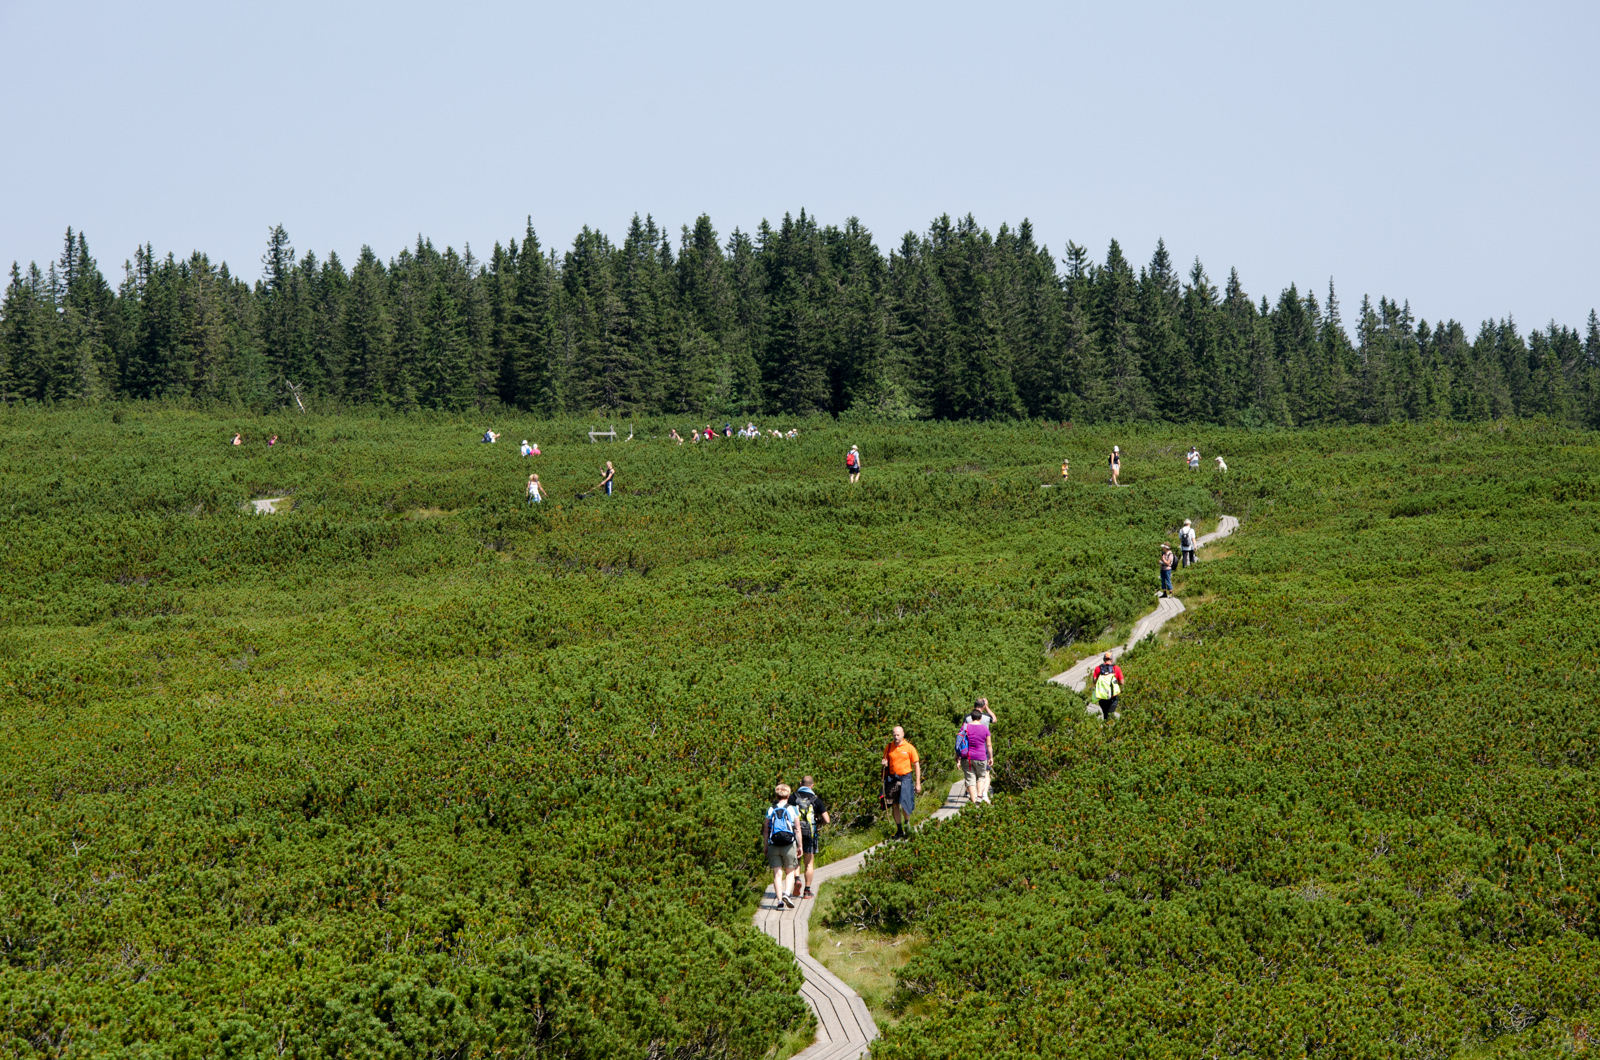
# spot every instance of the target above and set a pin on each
(535, 495)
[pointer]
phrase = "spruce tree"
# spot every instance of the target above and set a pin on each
(1115, 317)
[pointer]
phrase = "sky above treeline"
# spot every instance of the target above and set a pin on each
(1444, 153)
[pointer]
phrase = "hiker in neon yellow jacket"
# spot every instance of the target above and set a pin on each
(1107, 687)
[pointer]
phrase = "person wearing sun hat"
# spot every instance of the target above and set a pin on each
(852, 463)
(1116, 464)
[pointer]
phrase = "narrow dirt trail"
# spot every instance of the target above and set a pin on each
(845, 1029)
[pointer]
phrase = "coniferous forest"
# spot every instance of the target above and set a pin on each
(800, 318)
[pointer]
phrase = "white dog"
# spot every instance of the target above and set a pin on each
(1220, 465)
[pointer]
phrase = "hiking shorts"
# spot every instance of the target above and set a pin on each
(808, 843)
(782, 857)
(974, 772)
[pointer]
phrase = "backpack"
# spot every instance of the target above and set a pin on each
(851, 458)
(1107, 687)
(962, 743)
(805, 802)
(782, 833)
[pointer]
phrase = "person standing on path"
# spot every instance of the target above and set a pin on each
(535, 495)
(1108, 688)
(1116, 464)
(607, 478)
(900, 760)
(975, 758)
(1167, 563)
(780, 836)
(852, 464)
(812, 811)
(1186, 543)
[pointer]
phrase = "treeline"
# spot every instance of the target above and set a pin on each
(798, 318)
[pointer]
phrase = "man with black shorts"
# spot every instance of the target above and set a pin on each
(900, 760)
(813, 815)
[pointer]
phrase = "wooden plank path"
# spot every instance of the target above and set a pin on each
(1077, 678)
(845, 1029)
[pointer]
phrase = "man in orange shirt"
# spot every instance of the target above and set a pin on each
(900, 761)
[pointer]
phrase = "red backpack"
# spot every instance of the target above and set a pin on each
(850, 458)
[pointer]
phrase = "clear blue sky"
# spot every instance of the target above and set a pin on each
(1441, 152)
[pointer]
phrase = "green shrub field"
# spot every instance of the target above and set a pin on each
(413, 769)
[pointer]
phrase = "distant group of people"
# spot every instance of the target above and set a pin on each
(749, 430)
(1114, 463)
(238, 439)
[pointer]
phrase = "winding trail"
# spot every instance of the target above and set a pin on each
(845, 1029)
(1077, 678)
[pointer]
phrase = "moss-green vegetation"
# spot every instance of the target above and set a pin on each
(350, 781)
(1350, 807)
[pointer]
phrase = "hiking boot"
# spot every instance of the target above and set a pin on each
(807, 894)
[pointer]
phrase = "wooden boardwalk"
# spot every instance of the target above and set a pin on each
(845, 1028)
(1077, 678)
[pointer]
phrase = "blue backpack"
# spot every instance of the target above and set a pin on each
(961, 742)
(782, 832)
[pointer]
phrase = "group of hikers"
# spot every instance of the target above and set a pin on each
(791, 831)
(238, 439)
(1114, 463)
(749, 430)
(608, 478)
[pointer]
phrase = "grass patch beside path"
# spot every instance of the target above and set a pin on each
(868, 961)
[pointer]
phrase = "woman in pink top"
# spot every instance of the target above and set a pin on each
(975, 763)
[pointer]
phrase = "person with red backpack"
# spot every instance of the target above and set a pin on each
(852, 464)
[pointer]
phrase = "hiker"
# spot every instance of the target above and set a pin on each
(526, 450)
(1167, 563)
(1108, 688)
(676, 436)
(727, 430)
(852, 463)
(1220, 465)
(812, 809)
(900, 759)
(489, 437)
(1186, 543)
(272, 441)
(972, 748)
(238, 439)
(606, 479)
(1194, 459)
(778, 834)
(1066, 470)
(535, 495)
(1116, 464)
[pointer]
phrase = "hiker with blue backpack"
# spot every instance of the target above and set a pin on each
(973, 749)
(780, 835)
